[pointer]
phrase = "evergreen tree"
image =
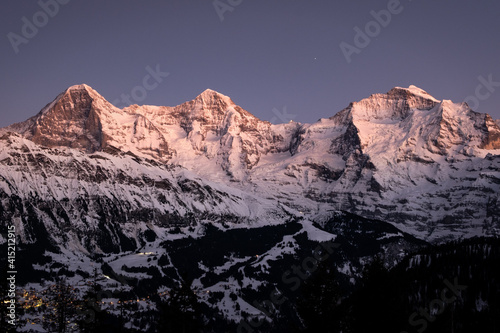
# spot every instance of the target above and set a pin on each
(60, 300)
(122, 311)
(318, 303)
(375, 304)
(180, 312)
(92, 316)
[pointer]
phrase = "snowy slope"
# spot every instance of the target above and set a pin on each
(75, 195)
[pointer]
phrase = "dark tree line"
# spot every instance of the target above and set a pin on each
(180, 312)
(453, 288)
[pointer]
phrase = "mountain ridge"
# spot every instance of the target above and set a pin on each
(403, 156)
(372, 108)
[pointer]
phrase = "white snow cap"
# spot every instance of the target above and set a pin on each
(209, 94)
(418, 92)
(82, 86)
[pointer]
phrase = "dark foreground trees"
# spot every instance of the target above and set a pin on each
(60, 301)
(318, 304)
(180, 312)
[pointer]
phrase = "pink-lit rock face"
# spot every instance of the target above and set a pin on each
(81, 118)
(492, 141)
(71, 120)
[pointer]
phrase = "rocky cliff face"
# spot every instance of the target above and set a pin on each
(81, 118)
(71, 120)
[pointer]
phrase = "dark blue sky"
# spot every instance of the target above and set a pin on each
(281, 55)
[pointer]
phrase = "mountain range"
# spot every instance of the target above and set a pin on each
(84, 179)
(429, 167)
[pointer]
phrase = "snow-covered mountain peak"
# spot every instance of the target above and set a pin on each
(83, 89)
(416, 91)
(82, 86)
(210, 92)
(397, 104)
(72, 119)
(210, 98)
